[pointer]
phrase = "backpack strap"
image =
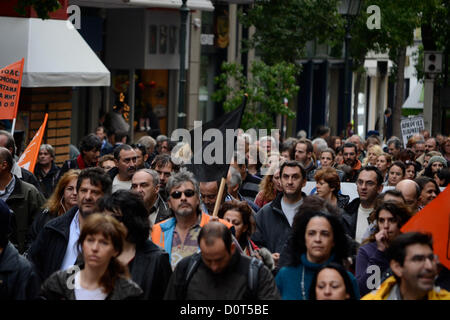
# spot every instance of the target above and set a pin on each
(253, 275)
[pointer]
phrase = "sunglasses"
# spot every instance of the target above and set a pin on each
(177, 194)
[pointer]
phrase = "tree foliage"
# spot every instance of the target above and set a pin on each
(266, 89)
(42, 7)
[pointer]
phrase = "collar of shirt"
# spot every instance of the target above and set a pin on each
(8, 189)
(15, 170)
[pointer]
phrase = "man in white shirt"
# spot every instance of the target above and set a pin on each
(55, 246)
(369, 185)
(125, 158)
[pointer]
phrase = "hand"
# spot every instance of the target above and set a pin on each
(382, 240)
(275, 257)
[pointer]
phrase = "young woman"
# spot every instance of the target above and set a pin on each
(396, 173)
(332, 282)
(390, 216)
(328, 186)
(240, 215)
(317, 238)
(412, 169)
(102, 276)
(429, 190)
(269, 187)
(148, 264)
(383, 163)
(63, 198)
(435, 164)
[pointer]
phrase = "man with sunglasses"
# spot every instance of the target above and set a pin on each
(178, 235)
(414, 266)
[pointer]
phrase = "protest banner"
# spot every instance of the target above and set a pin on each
(10, 83)
(410, 127)
(29, 156)
(434, 218)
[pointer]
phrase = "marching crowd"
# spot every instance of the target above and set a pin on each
(126, 221)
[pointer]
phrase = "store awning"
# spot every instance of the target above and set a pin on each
(203, 5)
(55, 53)
(415, 99)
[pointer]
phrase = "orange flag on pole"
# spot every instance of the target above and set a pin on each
(435, 219)
(29, 156)
(10, 83)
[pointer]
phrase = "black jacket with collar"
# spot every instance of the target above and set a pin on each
(47, 181)
(164, 211)
(48, 250)
(350, 217)
(18, 281)
(151, 270)
(272, 226)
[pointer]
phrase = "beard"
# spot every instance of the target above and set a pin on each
(184, 211)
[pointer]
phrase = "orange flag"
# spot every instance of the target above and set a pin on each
(10, 83)
(435, 219)
(29, 156)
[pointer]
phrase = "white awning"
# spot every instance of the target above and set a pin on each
(415, 99)
(203, 5)
(55, 53)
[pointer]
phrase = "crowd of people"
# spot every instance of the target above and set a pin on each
(126, 221)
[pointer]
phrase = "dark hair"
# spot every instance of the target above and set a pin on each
(215, 230)
(422, 181)
(374, 169)
(332, 141)
(120, 135)
(350, 145)
(96, 177)
(399, 164)
(343, 273)
(309, 146)
(296, 245)
(289, 147)
(399, 211)
(10, 142)
(90, 142)
(444, 174)
(321, 130)
(104, 158)
(140, 147)
(119, 148)
(396, 141)
(110, 228)
(246, 214)
(397, 249)
(417, 166)
(162, 160)
(293, 163)
(134, 215)
(406, 155)
(5, 155)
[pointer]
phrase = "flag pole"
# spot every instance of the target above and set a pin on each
(13, 126)
(219, 197)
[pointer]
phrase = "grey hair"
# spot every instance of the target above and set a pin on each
(321, 144)
(10, 143)
(235, 177)
(48, 148)
(396, 141)
(147, 141)
(161, 138)
(153, 173)
(361, 140)
(180, 177)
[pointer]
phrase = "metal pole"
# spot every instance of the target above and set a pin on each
(347, 99)
(132, 102)
(184, 11)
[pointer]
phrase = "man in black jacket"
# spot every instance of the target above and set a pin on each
(274, 220)
(369, 184)
(221, 273)
(55, 247)
(18, 281)
(47, 172)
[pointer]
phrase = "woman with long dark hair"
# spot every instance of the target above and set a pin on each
(101, 276)
(332, 282)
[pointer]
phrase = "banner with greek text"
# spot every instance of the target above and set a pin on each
(10, 83)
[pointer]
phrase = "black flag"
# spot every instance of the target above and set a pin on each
(213, 152)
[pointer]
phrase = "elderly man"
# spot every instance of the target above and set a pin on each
(47, 172)
(145, 182)
(411, 192)
(178, 235)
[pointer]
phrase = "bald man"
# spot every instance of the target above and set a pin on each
(411, 192)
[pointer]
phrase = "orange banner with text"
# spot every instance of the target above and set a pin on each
(29, 156)
(10, 83)
(435, 219)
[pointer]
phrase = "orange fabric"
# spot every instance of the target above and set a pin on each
(435, 219)
(29, 156)
(10, 84)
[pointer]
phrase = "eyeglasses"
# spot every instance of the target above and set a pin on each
(177, 194)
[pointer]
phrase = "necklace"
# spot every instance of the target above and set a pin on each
(303, 283)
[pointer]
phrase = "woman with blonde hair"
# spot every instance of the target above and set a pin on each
(373, 152)
(100, 276)
(63, 198)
